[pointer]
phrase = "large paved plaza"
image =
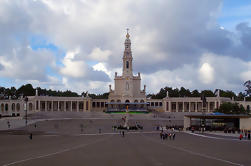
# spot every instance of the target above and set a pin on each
(61, 142)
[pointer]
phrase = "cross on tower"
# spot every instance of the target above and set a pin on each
(127, 29)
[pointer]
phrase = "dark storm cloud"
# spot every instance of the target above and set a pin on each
(245, 32)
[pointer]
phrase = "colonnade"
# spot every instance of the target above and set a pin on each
(72, 106)
(10, 108)
(188, 106)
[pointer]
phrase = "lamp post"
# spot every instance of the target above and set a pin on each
(204, 105)
(25, 109)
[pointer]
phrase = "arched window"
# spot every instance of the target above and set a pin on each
(30, 106)
(127, 101)
(6, 107)
(118, 101)
(2, 107)
(135, 101)
(18, 107)
(127, 64)
(13, 107)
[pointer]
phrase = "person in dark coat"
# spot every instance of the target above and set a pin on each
(161, 135)
(173, 136)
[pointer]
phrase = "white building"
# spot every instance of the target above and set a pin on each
(127, 88)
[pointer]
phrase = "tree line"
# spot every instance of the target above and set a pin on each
(183, 92)
(28, 90)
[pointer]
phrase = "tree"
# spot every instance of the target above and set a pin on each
(247, 84)
(227, 93)
(240, 96)
(231, 108)
(208, 93)
(195, 93)
(184, 92)
(26, 90)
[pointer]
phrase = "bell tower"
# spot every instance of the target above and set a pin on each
(127, 58)
(127, 88)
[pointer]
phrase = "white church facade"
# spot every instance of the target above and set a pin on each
(127, 87)
(127, 91)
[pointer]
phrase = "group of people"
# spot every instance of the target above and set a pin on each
(167, 135)
(245, 134)
(8, 123)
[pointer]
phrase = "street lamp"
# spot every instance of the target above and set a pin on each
(204, 105)
(25, 109)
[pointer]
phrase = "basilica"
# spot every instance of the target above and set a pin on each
(127, 93)
(127, 90)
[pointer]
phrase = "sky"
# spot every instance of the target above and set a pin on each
(78, 45)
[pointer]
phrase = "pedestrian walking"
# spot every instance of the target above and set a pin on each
(8, 123)
(241, 136)
(99, 130)
(123, 133)
(249, 135)
(166, 136)
(173, 136)
(30, 136)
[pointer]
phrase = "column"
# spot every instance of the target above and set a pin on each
(52, 105)
(58, 106)
(77, 106)
(84, 105)
(169, 106)
(177, 107)
(71, 106)
(64, 105)
(196, 106)
(39, 105)
(208, 106)
(215, 103)
(183, 107)
(189, 107)
(46, 105)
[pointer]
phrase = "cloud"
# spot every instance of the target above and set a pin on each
(78, 69)
(206, 73)
(23, 63)
(245, 32)
(174, 43)
(98, 55)
(1, 67)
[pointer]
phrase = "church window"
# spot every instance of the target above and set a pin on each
(127, 86)
(127, 64)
